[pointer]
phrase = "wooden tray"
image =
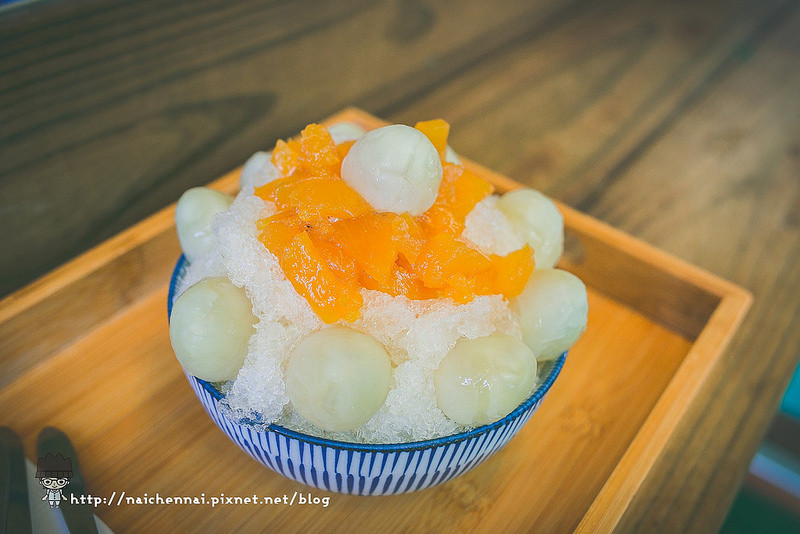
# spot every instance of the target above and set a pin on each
(86, 349)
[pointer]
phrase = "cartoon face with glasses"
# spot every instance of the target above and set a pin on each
(54, 473)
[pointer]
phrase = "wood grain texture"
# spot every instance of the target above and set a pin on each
(111, 110)
(587, 451)
(695, 303)
(122, 398)
(742, 140)
(675, 121)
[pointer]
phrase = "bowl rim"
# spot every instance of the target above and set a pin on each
(537, 395)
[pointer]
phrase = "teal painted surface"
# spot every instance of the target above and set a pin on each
(754, 514)
(791, 399)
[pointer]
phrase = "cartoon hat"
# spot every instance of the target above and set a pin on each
(54, 467)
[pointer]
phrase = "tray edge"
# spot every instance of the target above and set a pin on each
(649, 443)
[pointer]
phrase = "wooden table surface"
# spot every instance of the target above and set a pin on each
(678, 122)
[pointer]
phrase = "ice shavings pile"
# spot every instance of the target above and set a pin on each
(447, 339)
(416, 333)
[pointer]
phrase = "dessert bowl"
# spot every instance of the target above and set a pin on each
(362, 468)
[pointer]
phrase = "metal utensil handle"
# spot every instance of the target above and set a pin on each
(15, 512)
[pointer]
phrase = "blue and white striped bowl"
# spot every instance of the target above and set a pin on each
(364, 469)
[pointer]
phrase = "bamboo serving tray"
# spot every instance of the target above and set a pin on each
(86, 349)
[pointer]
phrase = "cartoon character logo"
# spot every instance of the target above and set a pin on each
(54, 473)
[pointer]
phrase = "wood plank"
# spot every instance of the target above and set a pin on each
(122, 378)
(118, 107)
(564, 107)
(648, 114)
(679, 295)
(74, 298)
(137, 104)
(120, 392)
(737, 172)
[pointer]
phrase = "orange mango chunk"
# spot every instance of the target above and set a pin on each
(511, 272)
(319, 199)
(436, 131)
(368, 240)
(314, 198)
(459, 191)
(313, 154)
(443, 258)
(312, 278)
(331, 244)
(342, 265)
(343, 148)
(278, 231)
